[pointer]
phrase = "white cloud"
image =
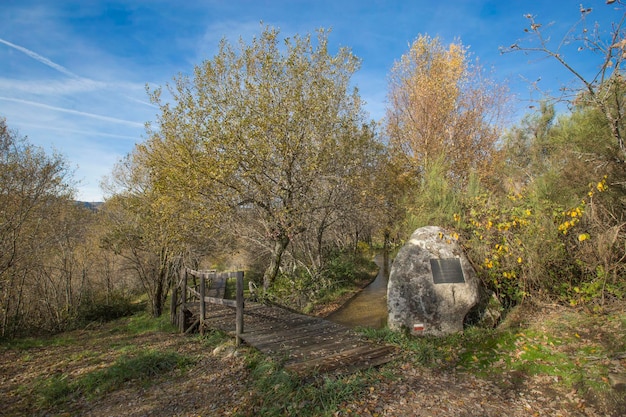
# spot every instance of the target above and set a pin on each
(74, 112)
(231, 30)
(87, 133)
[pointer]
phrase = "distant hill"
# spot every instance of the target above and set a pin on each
(95, 206)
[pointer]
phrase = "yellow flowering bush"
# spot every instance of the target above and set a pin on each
(492, 231)
(524, 247)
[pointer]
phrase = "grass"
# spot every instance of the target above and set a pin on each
(143, 323)
(572, 351)
(277, 392)
(107, 362)
(63, 339)
(143, 366)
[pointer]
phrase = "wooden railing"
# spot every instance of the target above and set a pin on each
(195, 289)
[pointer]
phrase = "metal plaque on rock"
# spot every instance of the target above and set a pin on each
(447, 271)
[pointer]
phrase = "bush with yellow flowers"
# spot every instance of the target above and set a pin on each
(523, 247)
(494, 238)
(594, 236)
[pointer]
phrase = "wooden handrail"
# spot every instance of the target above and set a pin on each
(185, 292)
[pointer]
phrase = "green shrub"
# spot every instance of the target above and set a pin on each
(523, 246)
(303, 287)
(436, 198)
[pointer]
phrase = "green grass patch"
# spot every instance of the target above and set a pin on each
(85, 356)
(573, 350)
(142, 367)
(526, 351)
(278, 392)
(144, 323)
(423, 351)
(26, 343)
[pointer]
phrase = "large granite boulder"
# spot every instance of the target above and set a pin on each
(432, 285)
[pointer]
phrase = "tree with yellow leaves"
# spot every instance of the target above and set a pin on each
(443, 108)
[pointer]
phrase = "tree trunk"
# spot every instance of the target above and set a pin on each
(157, 307)
(161, 281)
(160, 290)
(280, 244)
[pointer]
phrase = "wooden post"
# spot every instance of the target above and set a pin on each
(239, 311)
(183, 301)
(203, 277)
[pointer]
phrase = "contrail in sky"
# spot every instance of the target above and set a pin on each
(41, 59)
(81, 132)
(76, 112)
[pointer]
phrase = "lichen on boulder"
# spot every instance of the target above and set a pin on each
(432, 285)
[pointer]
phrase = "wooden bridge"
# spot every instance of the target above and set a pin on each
(306, 344)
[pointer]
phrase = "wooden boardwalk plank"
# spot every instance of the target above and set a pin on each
(270, 326)
(308, 337)
(352, 359)
(308, 344)
(287, 333)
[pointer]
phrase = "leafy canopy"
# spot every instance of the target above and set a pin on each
(267, 128)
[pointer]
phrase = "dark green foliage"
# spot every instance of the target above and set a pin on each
(436, 198)
(345, 266)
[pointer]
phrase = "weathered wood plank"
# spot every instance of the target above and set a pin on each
(221, 301)
(328, 347)
(296, 343)
(358, 358)
(296, 331)
(310, 344)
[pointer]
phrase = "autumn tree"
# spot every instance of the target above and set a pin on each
(268, 130)
(34, 197)
(144, 232)
(442, 107)
(345, 200)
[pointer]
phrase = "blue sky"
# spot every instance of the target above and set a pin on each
(73, 73)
